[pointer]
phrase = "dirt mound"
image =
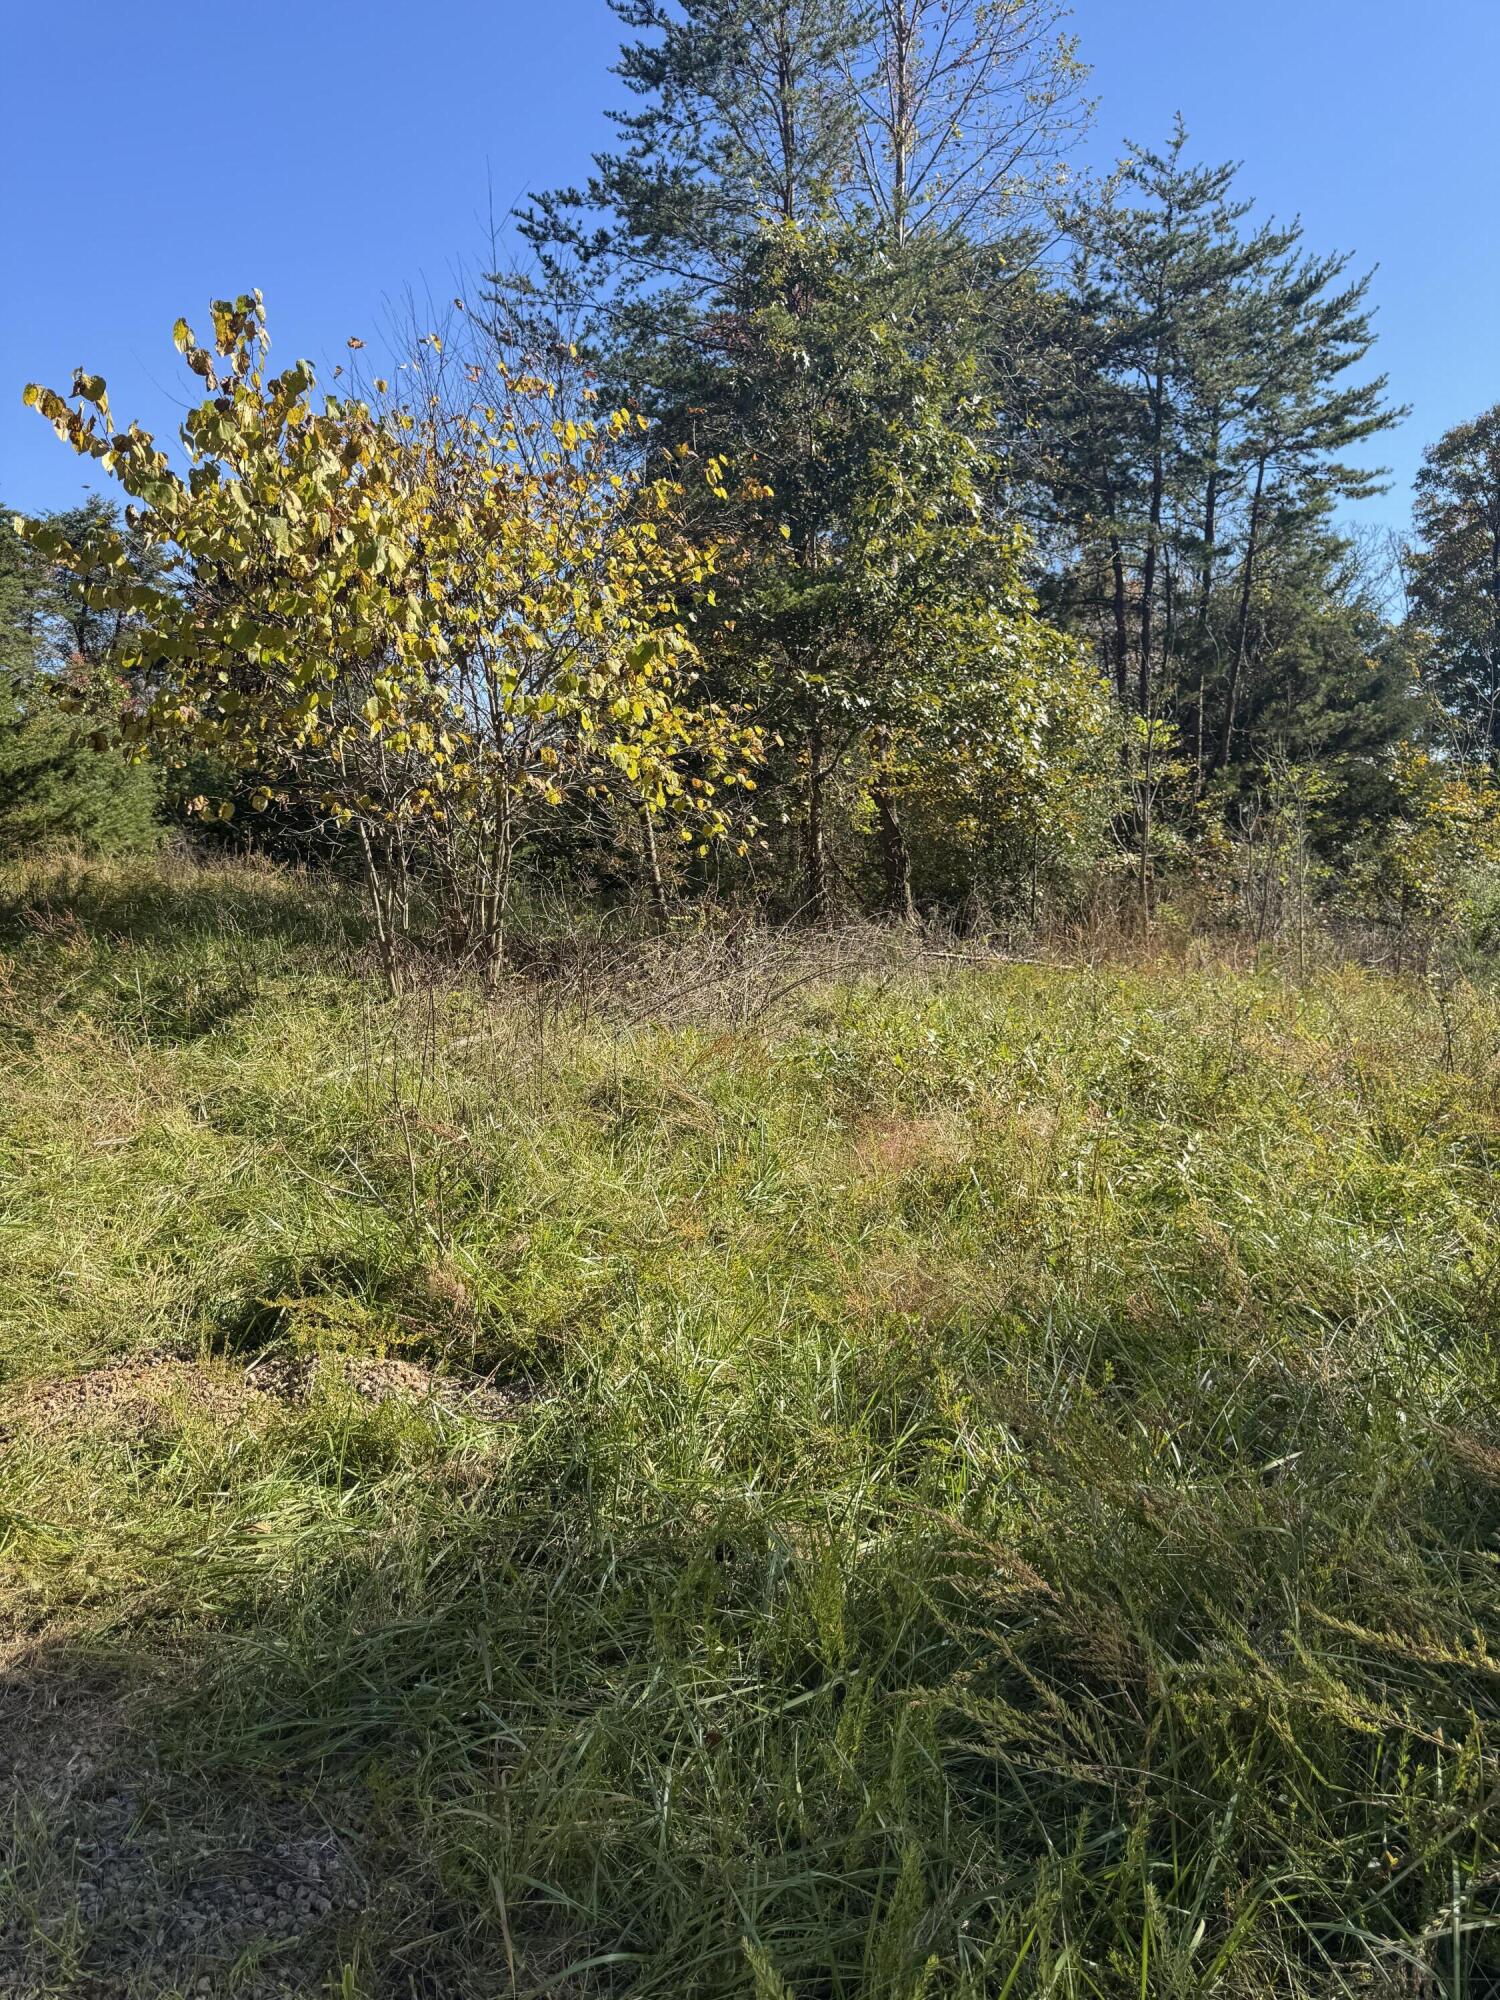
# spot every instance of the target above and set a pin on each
(134, 1396)
(145, 1395)
(382, 1381)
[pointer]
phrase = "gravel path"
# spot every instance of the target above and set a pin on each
(118, 1882)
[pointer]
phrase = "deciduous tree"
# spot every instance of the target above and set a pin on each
(436, 623)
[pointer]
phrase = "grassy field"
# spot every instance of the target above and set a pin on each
(764, 1480)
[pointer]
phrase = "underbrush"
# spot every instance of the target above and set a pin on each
(934, 1477)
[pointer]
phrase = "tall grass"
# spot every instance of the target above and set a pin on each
(1000, 1484)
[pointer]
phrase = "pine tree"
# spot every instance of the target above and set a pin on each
(877, 587)
(1333, 679)
(795, 282)
(740, 119)
(1205, 427)
(54, 785)
(1300, 417)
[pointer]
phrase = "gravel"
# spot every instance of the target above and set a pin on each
(123, 1881)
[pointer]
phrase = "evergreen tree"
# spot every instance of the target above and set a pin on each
(1208, 411)
(796, 283)
(74, 629)
(879, 598)
(54, 784)
(1301, 416)
(896, 116)
(1329, 679)
(1455, 574)
(741, 118)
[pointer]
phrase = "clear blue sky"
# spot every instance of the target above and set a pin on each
(333, 153)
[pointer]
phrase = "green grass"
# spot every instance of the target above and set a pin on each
(999, 1498)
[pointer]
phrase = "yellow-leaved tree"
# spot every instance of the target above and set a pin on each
(432, 624)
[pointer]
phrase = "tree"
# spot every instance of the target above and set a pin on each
(435, 624)
(875, 596)
(1300, 418)
(1432, 866)
(960, 109)
(742, 119)
(82, 624)
(1455, 574)
(1205, 423)
(55, 784)
(1001, 765)
(786, 285)
(1329, 675)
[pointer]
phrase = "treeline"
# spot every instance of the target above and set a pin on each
(837, 507)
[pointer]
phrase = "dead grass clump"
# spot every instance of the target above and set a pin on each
(897, 1146)
(895, 1285)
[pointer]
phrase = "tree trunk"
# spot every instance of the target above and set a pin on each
(786, 120)
(903, 38)
(1122, 626)
(380, 909)
(1242, 631)
(1210, 525)
(1153, 542)
(653, 864)
(896, 856)
(1169, 625)
(494, 872)
(1205, 594)
(1148, 779)
(816, 859)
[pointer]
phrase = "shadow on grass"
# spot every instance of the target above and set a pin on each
(171, 951)
(176, 904)
(536, 1724)
(539, 1717)
(124, 1873)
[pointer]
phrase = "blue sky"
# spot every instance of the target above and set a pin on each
(334, 153)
